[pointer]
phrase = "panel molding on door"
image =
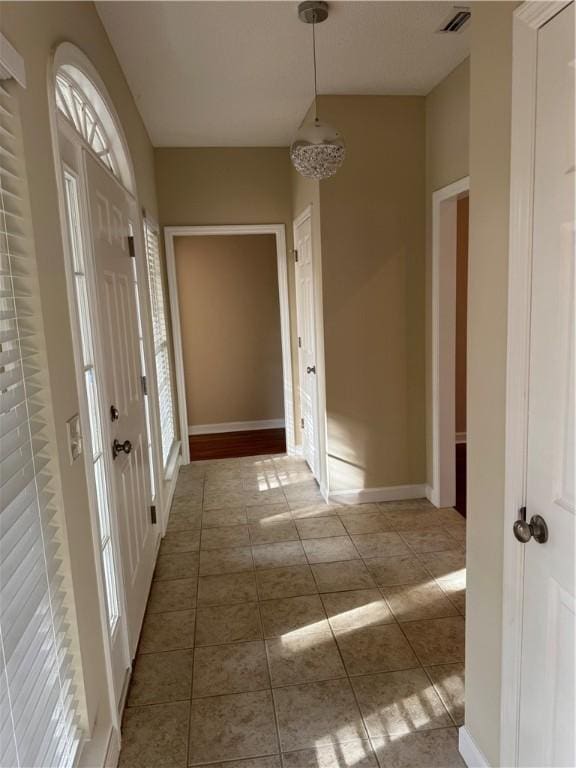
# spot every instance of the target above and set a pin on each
(307, 343)
(539, 603)
(118, 320)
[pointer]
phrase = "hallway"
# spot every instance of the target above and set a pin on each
(278, 624)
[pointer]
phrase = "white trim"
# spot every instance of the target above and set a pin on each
(11, 63)
(278, 230)
(388, 493)
(113, 752)
(527, 20)
(443, 486)
(471, 753)
(461, 437)
(235, 426)
(102, 749)
(170, 486)
(322, 447)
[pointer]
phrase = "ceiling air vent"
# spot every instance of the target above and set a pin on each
(457, 21)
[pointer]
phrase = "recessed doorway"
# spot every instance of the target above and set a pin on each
(229, 302)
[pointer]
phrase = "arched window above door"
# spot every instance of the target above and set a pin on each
(80, 102)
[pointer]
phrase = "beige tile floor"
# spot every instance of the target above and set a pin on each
(283, 632)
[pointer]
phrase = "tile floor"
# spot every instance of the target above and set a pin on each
(283, 632)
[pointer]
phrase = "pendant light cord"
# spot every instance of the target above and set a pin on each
(315, 80)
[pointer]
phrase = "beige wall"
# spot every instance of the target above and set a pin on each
(230, 185)
(372, 228)
(35, 29)
(490, 108)
(447, 160)
(230, 322)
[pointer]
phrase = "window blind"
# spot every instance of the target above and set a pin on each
(38, 702)
(163, 372)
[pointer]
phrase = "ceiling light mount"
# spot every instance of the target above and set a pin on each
(313, 11)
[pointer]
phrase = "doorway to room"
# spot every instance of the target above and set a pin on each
(460, 384)
(229, 301)
(449, 339)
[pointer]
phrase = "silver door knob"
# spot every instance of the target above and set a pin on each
(535, 529)
(118, 447)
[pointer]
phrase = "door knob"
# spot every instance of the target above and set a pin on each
(311, 369)
(118, 447)
(535, 529)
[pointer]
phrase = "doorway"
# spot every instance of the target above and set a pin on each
(308, 363)
(245, 346)
(100, 224)
(449, 315)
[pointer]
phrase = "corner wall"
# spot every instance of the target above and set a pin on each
(447, 160)
(372, 230)
(490, 115)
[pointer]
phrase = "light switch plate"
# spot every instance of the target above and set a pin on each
(74, 437)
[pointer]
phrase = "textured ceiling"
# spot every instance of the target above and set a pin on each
(240, 73)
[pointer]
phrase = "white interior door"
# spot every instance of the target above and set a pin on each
(547, 714)
(123, 386)
(308, 364)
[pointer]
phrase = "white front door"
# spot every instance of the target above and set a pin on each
(308, 363)
(547, 714)
(115, 277)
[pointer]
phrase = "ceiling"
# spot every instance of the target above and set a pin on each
(239, 73)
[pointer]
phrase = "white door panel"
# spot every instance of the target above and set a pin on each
(547, 713)
(122, 374)
(308, 363)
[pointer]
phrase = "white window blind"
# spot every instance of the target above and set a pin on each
(38, 702)
(163, 373)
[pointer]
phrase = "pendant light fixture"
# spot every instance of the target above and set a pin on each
(317, 150)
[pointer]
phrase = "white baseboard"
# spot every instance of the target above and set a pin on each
(296, 450)
(471, 753)
(431, 495)
(389, 493)
(460, 437)
(103, 749)
(168, 493)
(113, 751)
(235, 426)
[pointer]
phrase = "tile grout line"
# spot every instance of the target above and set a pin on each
(189, 730)
(260, 600)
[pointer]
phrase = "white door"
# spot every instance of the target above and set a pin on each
(123, 387)
(547, 714)
(307, 343)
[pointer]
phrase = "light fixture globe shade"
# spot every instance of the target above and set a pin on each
(317, 150)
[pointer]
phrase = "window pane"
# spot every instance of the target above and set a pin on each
(163, 374)
(111, 586)
(103, 510)
(84, 319)
(93, 413)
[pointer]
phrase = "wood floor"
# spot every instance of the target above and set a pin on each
(233, 445)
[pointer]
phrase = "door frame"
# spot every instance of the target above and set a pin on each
(307, 213)
(68, 54)
(279, 232)
(442, 492)
(527, 20)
